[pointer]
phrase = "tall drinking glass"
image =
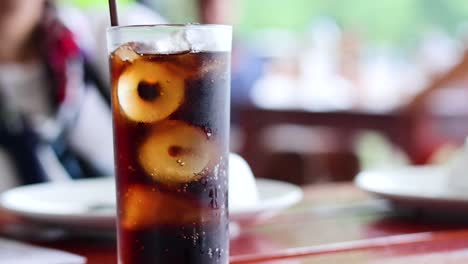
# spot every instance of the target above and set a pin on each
(170, 99)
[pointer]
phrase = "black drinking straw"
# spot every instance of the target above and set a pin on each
(113, 13)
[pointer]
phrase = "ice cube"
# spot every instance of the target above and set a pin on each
(140, 207)
(127, 52)
(174, 43)
(143, 48)
(208, 39)
(145, 207)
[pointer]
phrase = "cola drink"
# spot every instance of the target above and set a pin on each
(171, 129)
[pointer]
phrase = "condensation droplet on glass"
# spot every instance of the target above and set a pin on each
(216, 171)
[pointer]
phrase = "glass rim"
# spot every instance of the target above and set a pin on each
(156, 26)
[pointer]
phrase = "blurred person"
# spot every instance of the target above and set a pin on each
(247, 66)
(55, 120)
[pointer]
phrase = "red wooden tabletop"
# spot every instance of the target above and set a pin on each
(335, 223)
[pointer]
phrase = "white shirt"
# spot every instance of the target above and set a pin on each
(25, 88)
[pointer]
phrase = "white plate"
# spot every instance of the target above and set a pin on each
(91, 202)
(424, 187)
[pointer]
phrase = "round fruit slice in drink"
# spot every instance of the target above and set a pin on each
(176, 152)
(147, 92)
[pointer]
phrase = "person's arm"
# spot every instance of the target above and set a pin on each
(457, 72)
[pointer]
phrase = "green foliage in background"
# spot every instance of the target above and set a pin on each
(94, 3)
(379, 20)
(385, 21)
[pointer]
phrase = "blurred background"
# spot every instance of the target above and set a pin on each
(322, 89)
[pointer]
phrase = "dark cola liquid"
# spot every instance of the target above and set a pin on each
(171, 142)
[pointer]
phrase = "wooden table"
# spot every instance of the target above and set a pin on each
(335, 223)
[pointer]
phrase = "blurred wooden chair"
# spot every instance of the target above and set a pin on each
(418, 129)
(326, 155)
